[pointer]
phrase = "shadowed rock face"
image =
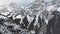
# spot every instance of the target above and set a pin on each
(14, 26)
(54, 23)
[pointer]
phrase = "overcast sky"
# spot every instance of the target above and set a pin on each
(19, 2)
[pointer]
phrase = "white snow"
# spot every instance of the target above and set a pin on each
(5, 13)
(49, 8)
(29, 18)
(10, 9)
(19, 16)
(58, 9)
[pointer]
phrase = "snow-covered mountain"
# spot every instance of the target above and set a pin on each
(36, 7)
(12, 8)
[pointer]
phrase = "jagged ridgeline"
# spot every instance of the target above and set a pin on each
(33, 19)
